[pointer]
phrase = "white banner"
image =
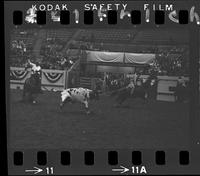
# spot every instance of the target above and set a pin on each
(101, 56)
(137, 58)
(134, 58)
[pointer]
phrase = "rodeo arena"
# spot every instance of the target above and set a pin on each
(99, 88)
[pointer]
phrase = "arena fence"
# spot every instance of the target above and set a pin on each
(163, 87)
(51, 79)
(164, 93)
(57, 79)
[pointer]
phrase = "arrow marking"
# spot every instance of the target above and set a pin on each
(123, 169)
(36, 171)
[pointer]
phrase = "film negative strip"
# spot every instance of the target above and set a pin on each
(102, 87)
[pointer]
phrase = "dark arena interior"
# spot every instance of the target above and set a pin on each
(104, 60)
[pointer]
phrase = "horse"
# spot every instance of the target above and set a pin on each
(142, 91)
(32, 86)
(181, 92)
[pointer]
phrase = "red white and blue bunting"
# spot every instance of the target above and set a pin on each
(53, 77)
(18, 74)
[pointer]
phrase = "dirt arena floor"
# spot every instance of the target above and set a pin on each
(134, 125)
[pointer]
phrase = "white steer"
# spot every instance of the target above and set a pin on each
(81, 95)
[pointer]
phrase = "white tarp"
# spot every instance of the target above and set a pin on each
(120, 57)
(138, 58)
(100, 56)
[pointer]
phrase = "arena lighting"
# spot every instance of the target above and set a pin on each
(102, 12)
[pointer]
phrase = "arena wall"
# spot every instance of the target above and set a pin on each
(56, 79)
(163, 89)
(51, 79)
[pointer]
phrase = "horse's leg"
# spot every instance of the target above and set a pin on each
(175, 97)
(31, 97)
(23, 94)
(178, 96)
(182, 95)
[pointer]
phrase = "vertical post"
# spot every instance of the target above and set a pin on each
(158, 84)
(66, 79)
(41, 78)
(104, 82)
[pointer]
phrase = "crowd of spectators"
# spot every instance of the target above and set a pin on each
(116, 81)
(52, 46)
(172, 65)
(50, 56)
(169, 60)
(164, 64)
(58, 63)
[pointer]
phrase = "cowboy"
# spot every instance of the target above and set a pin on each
(181, 81)
(135, 77)
(35, 68)
(131, 86)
